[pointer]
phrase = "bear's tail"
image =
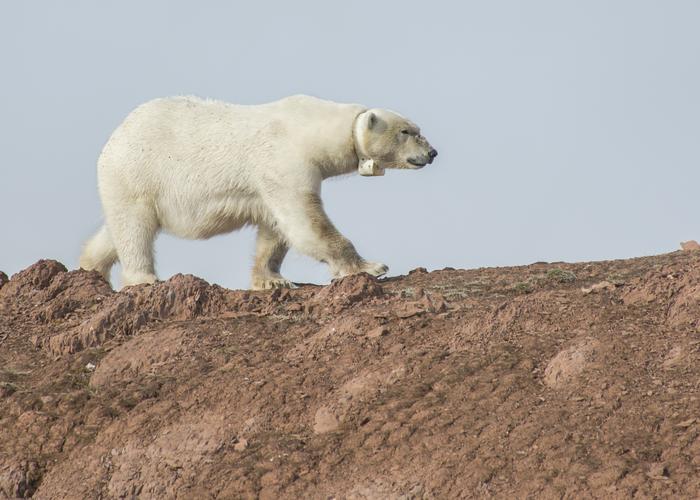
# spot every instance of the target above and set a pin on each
(99, 253)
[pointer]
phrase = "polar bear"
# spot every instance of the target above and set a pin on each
(196, 168)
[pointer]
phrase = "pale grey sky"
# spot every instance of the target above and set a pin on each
(567, 130)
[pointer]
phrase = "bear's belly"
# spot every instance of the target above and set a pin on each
(201, 219)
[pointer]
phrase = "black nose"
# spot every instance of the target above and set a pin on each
(432, 153)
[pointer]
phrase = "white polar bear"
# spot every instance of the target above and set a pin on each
(197, 168)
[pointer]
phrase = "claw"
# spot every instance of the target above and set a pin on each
(271, 283)
(375, 268)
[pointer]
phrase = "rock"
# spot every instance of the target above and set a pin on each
(380, 331)
(434, 302)
(428, 303)
(241, 445)
(569, 363)
(689, 246)
(409, 309)
(20, 480)
(122, 314)
(674, 357)
(658, 471)
(686, 423)
(69, 292)
(7, 389)
(3, 279)
(325, 421)
(418, 270)
(603, 285)
(345, 292)
(36, 277)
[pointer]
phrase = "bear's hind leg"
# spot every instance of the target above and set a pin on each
(133, 231)
(99, 253)
(269, 254)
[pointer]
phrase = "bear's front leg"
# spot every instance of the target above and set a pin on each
(304, 223)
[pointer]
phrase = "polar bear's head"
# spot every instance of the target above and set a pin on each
(391, 141)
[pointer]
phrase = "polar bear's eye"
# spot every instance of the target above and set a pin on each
(405, 132)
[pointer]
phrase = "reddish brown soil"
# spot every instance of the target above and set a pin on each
(547, 381)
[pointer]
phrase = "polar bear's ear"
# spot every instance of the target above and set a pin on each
(371, 120)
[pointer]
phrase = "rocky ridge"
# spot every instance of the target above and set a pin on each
(546, 380)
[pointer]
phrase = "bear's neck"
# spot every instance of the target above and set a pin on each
(338, 156)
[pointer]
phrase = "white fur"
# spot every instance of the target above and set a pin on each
(197, 168)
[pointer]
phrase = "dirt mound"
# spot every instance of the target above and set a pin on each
(549, 380)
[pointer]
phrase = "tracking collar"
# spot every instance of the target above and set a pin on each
(366, 166)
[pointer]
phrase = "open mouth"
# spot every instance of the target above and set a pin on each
(417, 163)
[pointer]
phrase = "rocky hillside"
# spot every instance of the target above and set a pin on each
(549, 380)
